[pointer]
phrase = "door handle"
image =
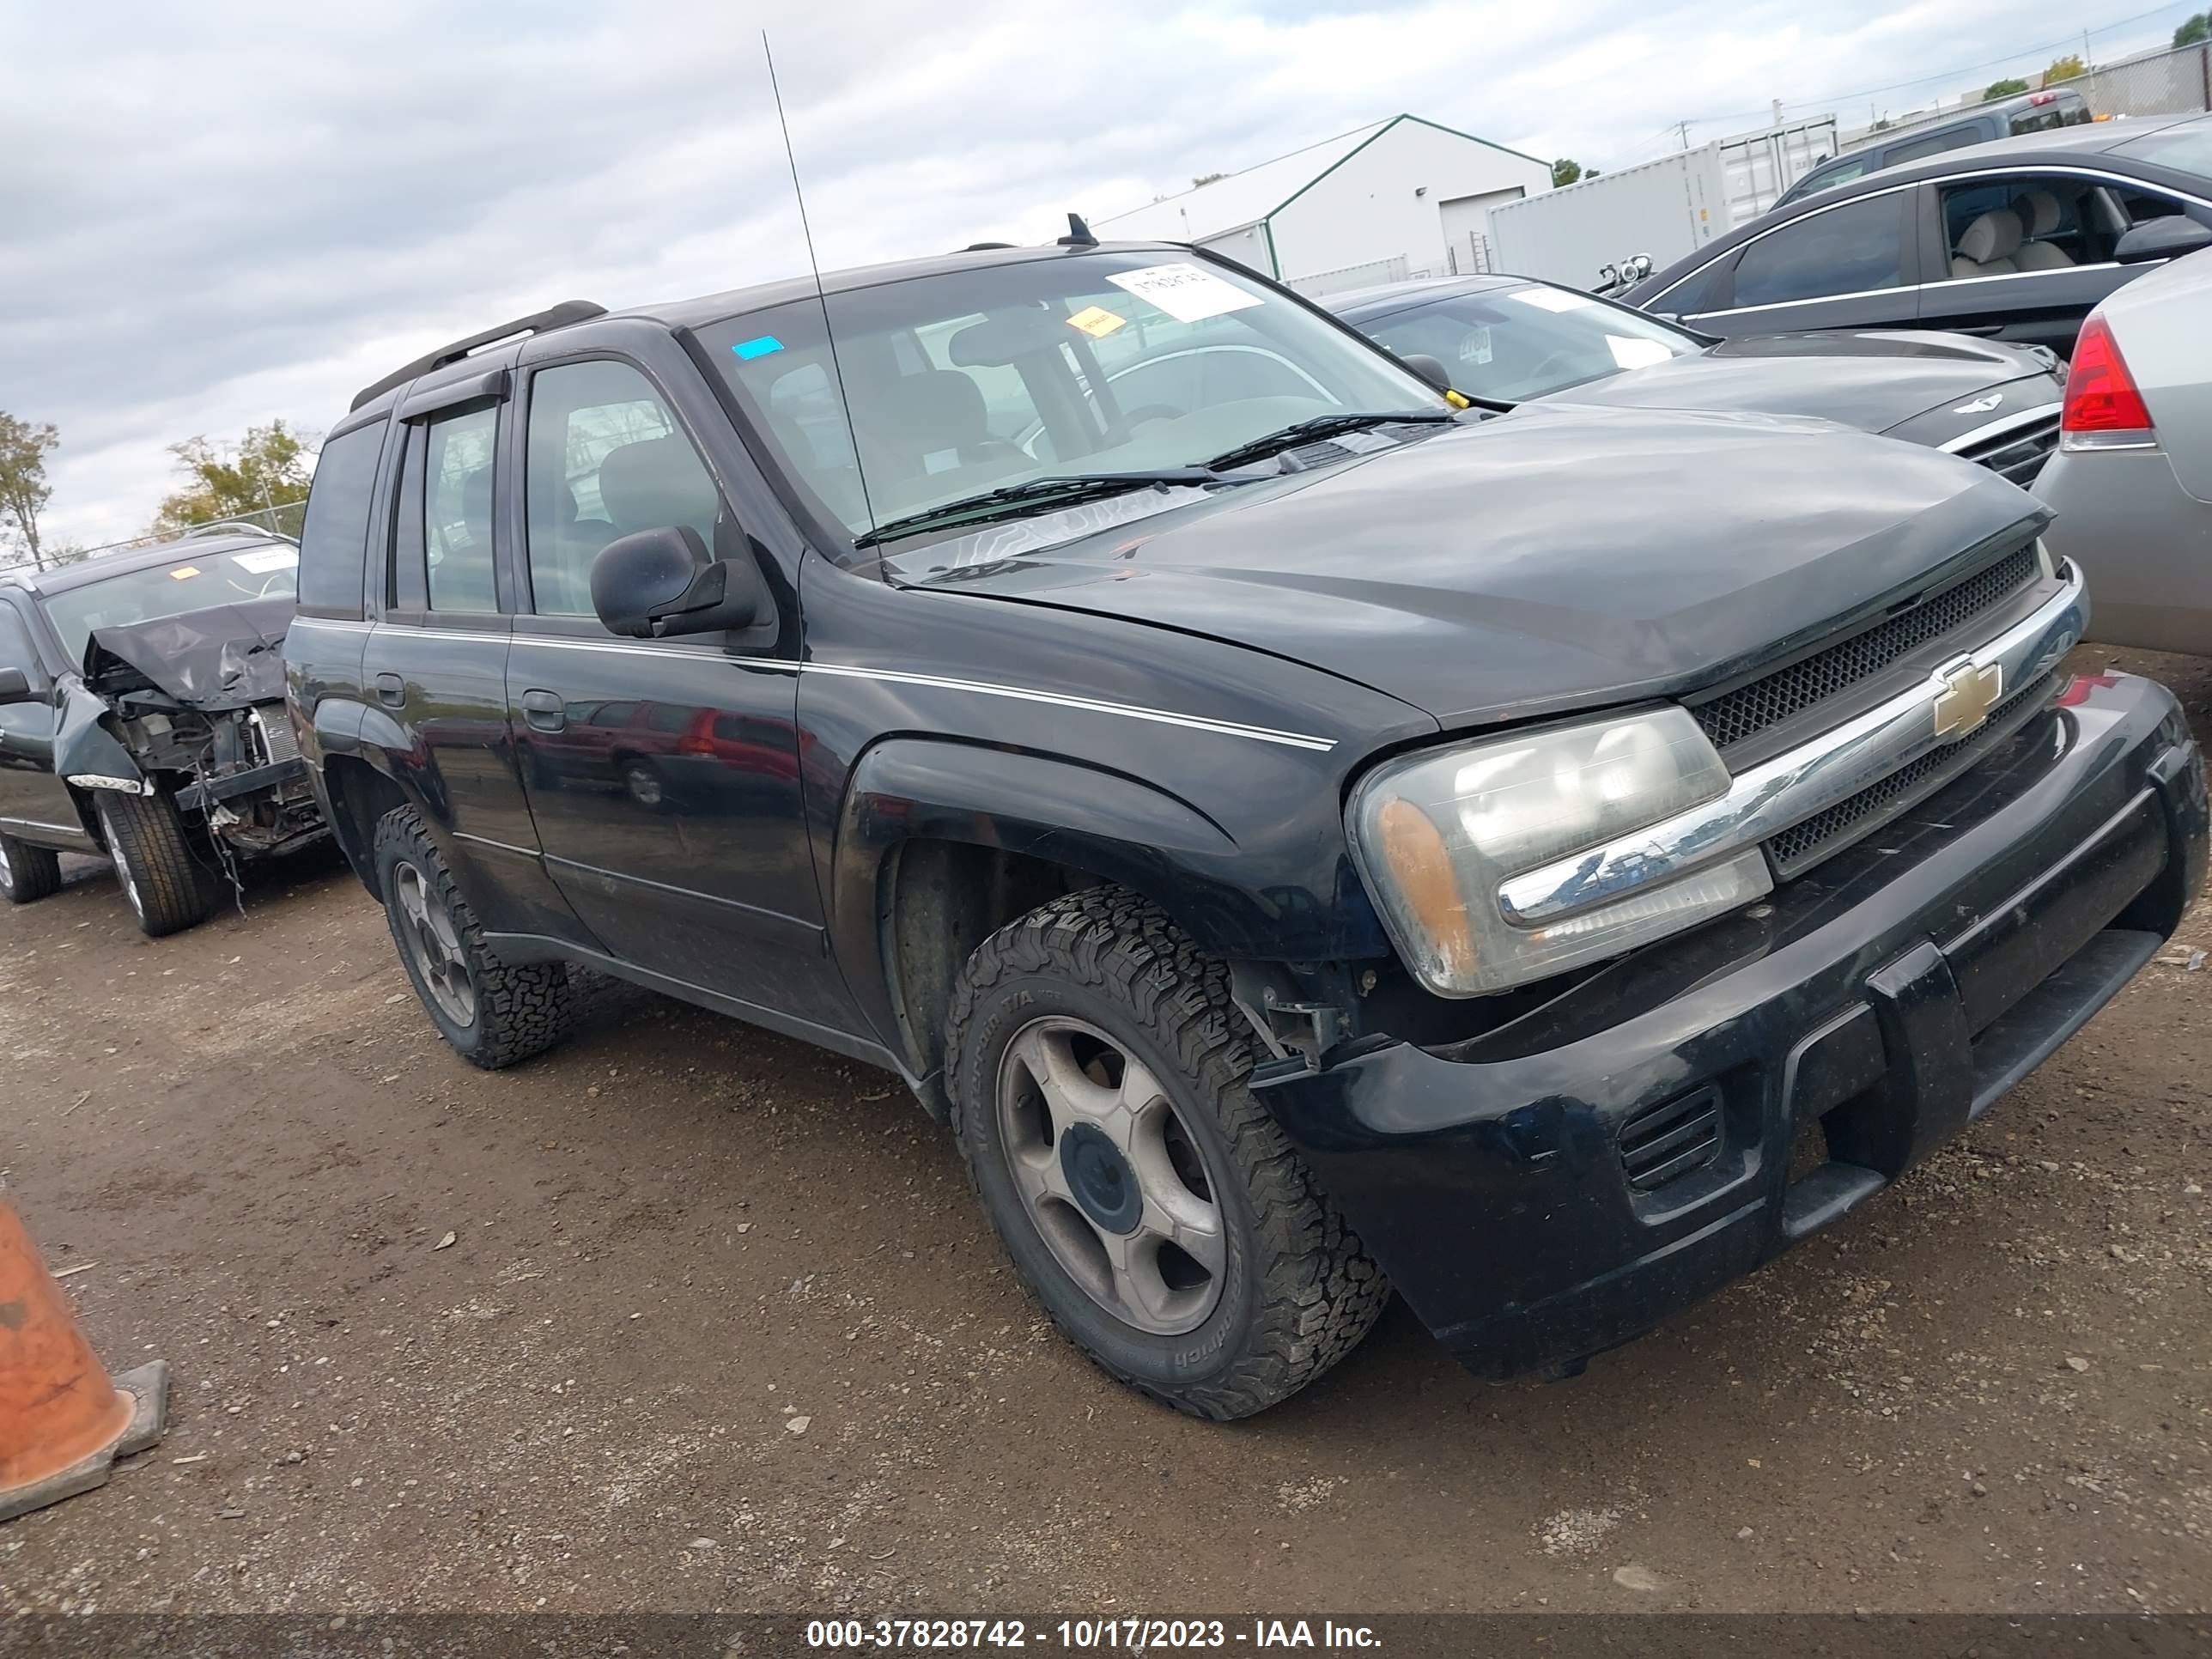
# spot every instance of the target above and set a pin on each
(391, 690)
(544, 711)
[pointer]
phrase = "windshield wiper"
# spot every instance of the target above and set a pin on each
(1012, 501)
(1325, 426)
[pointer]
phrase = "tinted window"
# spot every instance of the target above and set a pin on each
(334, 539)
(1844, 249)
(15, 647)
(606, 459)
(458, 511)
(1693, 293)
(1912, 149)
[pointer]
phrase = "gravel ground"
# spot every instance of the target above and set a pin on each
(687, 1317)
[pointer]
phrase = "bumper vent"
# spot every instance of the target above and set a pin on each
(1665, 1142)
(1744, 712)
(2019, 455)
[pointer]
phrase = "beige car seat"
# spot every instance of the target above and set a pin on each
(2038, 216)
(1986, 246)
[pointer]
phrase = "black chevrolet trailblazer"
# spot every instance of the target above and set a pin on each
(1303, 835)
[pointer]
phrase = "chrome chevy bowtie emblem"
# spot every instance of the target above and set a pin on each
(1980, 405)
(1970, 691)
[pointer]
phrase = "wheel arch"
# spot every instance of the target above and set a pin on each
(358, 794)
(939, 843)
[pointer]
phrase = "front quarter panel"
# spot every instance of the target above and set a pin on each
(1209, 777)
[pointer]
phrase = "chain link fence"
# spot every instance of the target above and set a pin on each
(2176, 81)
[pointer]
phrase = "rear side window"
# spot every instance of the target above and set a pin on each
(457, 501)
(334, 540)
(1844, 249)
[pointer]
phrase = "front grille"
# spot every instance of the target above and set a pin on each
(2019, 453)
(1666, 1142)
(1744, 712)
(1804, 844)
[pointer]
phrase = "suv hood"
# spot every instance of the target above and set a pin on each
(1552, 558)
(1870, 380)
(224, 657)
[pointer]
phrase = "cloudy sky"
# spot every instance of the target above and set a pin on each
(223, 212)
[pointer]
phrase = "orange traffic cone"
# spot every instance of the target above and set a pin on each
(62, 1424)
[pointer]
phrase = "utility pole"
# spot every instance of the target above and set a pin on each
(1777, 111)
(1682, 131)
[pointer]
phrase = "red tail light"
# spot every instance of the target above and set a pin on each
(2101, 397)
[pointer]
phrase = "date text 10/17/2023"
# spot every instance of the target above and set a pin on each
(1124, 1635)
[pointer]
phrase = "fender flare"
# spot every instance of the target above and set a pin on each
(1136, 834)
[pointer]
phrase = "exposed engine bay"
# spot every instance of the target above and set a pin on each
(192, 706)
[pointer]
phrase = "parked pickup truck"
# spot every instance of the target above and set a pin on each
(1302, 836)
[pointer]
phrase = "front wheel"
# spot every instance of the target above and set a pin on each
(28, 873)
(1098, 1075)
(492, 1013)
(153, 860)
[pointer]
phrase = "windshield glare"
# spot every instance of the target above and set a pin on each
(2185, 148)
(170, 590)
(1512, 343)
(1067, 366)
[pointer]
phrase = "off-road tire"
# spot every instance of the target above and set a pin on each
(521, 1009)
(28, 873)
(1300, 1291)
(162, 881)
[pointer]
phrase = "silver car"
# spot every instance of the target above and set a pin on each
(2132, 479)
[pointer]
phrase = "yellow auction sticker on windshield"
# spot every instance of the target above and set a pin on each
(184, 573)
(1095, 321)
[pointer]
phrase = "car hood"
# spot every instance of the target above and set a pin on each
(1870, 380)
(224, 657)
(1549, 559)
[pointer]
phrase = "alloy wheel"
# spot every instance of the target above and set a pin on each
(435, 944)
(1112, 1180)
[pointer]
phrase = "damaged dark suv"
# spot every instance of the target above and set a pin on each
(1300, 836)
(141, 715)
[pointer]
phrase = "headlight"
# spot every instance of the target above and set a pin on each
(1436, 832)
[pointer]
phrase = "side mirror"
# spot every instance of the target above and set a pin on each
(14, 686)
(2168, 238)
(656, 583)
(1428, 368)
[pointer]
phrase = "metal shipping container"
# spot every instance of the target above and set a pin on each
(1665, 209)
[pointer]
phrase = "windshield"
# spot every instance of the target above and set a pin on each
(170, 590)
(1512, 343)
(1065, 367)
(2186, 148)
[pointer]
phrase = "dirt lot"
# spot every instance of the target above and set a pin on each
(718, 1327)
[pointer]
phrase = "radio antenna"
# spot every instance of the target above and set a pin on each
(821, 294)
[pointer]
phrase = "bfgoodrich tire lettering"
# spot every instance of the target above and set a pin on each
(28, 873)
(1295, 1292)
(492, 1013)
(162, 880)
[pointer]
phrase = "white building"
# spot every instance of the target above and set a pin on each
(1403, 197)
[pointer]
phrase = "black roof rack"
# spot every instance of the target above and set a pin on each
(560, 316)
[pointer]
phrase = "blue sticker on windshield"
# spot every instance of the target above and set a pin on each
(759, 346)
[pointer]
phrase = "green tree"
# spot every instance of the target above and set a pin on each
(1565, 171)
(270, 466)
(2004, 88)
(2196, 31)
(2065, 69)
(24, 491)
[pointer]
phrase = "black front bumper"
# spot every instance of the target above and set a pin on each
(1879, 1003)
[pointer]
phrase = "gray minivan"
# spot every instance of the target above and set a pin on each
(2032, 112)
